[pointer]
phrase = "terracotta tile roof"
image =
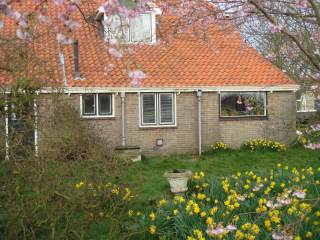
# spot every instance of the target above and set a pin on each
(225, 61)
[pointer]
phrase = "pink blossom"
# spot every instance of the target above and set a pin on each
(217, 231)
(58, 2)
(115, 53)
(299, 194)
(137, 76)
(281, 236)
(301, 3)
(276, 28)
(231, 228)
(62, 39)
(43, 18)
(271, 57)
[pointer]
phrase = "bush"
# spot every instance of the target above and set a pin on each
(262, 144)
(310, 137)
(66, 137)
(51, 204)
(283, 204)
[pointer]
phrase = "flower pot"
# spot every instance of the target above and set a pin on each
(178, 180)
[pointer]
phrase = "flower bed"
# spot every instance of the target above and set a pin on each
(219, 146)
(283, 204)
(263, 144)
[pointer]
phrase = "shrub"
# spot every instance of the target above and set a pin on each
(310, 137)
(66, 137)
(283, 204)
(48, 204)
(262, 144)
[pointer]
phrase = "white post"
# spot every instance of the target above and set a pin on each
(199, 95)
(123, 119)
(6, 127)
(35, 111)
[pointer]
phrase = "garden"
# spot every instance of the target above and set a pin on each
(233, 194)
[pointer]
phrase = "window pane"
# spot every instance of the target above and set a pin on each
(105, 104)
(148, 109)
(117, 28)
(88, 104)
(141, 28)
(243, 104)
(166, 108)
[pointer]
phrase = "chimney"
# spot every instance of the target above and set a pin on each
(77, 74)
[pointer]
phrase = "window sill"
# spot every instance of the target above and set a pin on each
(244, 118)
(98, 117)
(158, 127)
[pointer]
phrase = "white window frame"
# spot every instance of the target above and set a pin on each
(157, 111)
(97, 115)
(173, 109)
(265, 115)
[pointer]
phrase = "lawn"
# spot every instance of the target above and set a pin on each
(145, 178)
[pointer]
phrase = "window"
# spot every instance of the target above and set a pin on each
(306, 103)
(157, 109)
(243, 104)
(134, 30)
(140, 28)
(97, 105)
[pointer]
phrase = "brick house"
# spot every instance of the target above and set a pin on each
(195, 92)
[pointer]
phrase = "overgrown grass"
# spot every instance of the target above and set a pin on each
(144, 178)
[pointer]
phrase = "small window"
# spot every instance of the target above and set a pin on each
(141, 28)
(157, 109)
(148, 109)
(105, 104)
(243, 104)
(89, 105)
(166, 108)
(95, 105)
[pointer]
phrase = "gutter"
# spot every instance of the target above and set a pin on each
(279, 88)
(6, 128)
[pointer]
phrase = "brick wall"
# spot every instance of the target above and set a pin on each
(280, 124)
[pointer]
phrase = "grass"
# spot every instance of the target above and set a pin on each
(146, 179)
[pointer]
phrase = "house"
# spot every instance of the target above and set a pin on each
(195, 92)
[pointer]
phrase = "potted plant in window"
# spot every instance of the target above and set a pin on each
(178, 180)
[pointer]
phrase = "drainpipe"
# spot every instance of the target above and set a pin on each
(63, 69)
(199, 95)
(35, 111)
(123, 119)
(6, 127)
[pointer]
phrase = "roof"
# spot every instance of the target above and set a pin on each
(225, 60)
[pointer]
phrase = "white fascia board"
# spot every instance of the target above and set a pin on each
(183, 89)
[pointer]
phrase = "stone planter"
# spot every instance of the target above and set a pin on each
(178, 180)
(129, 153)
